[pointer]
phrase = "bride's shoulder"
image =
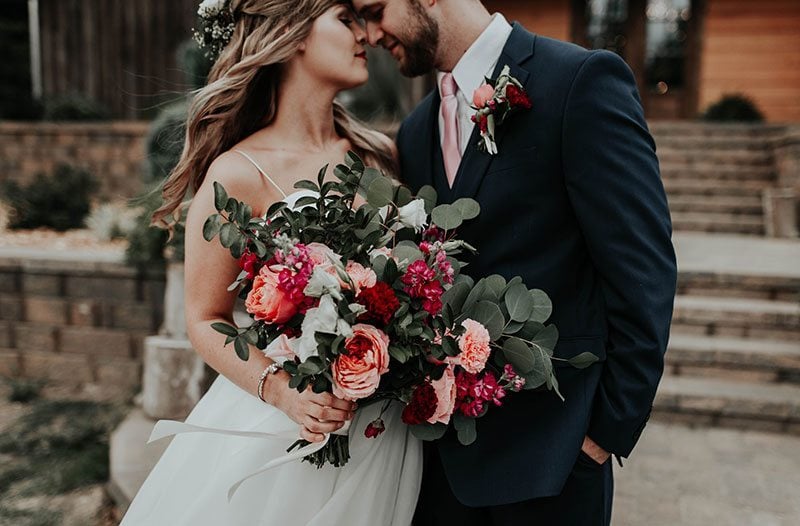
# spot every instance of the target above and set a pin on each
(236, 174)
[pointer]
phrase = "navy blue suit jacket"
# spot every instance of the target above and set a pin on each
(574, 204)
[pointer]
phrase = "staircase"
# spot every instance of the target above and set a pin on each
(734, 351)
(715, 175)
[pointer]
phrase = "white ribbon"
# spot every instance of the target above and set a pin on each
(166, 428)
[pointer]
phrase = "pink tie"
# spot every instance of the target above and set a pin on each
(449, 108)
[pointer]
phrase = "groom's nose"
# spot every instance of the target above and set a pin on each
(374, 34)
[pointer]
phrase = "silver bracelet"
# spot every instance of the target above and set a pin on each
(271, 369)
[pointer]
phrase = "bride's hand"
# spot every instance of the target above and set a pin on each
(316, 413)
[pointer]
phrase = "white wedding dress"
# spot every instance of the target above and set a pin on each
(191, 482)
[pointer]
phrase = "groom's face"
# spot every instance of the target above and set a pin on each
(405, 29)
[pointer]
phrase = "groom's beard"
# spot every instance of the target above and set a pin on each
(420, 49)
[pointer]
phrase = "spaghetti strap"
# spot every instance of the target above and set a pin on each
(262, 172)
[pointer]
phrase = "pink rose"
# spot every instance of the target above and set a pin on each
(474, 345)
(280, 349)
(361, 276)
(445, 388)
(322, 255)
(482, 96)
(266, 302)
(357, 371)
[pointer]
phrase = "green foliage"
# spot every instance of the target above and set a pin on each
(57, 447)
(195, 64)
(733, 108)
(74, 107)
(61, 201)
(164, 142)
(24, 390)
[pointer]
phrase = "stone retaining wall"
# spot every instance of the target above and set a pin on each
(114, 152)
(77, 322)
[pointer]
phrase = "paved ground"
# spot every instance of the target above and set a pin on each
(679, 476)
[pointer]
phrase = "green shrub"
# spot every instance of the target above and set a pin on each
(60, 201)
(24, 390)
(164, 142)
(733, 108)
(74, 107)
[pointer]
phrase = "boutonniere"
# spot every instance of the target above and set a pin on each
(493, 102)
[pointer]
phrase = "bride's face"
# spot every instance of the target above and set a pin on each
(334, 51)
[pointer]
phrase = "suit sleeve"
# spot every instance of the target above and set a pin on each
(613, 182)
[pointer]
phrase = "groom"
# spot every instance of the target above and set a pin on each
(574, 204)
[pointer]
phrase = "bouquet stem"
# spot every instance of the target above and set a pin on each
(336, 452)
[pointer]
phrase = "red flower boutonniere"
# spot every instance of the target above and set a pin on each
(493, 102)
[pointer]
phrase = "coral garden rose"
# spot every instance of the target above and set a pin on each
(357, 371)
(482, 96)
(445, 388)
(474, 346)
(322, 255)
(361, 276)
(266, 302)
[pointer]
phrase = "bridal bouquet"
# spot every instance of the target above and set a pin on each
(368, 302)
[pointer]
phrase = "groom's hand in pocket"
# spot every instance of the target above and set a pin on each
(595, 452)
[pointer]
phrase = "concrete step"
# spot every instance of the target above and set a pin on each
(736, 205)
(689, 129)
(131, 457)
(688, 185)
(693, 143)
(737, 318)
(705, 153)
(764, 361)
(725, 223)
(727, 403)
(717, 172)
(730, 285)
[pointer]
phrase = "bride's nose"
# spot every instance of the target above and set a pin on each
(360, 33)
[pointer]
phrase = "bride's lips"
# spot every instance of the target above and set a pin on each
(363, 55)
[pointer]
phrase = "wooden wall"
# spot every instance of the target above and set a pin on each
(121, 53)
(551, 18)
(753, 47)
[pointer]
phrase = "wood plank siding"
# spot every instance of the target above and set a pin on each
(753, 47)
(122, 54)
(551, 18)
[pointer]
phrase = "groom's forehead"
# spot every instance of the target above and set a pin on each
(363, 5)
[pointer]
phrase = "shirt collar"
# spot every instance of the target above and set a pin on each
(481, 57)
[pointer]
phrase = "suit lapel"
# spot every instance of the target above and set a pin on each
(476, 163)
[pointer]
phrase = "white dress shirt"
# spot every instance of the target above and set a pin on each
(470, 73)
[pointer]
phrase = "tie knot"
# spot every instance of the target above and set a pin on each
(449, 86)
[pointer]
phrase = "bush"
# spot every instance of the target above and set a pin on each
(111, 221)
(164, 142)
(24, 390)
(74, 107)
(733, 108)
(61, 201)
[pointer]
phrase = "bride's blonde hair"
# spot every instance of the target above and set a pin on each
(242, 94)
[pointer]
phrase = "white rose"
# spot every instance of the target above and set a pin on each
(323, 282)
(320, 319)
(413, 214)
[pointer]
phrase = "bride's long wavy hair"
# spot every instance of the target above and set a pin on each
(242, 94)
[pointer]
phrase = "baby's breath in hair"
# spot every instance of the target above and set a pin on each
(216, 21)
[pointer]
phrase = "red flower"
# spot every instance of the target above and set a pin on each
(431, 294)
(422, 405)
(517, 98)
(375, 428)
(249, 263)
(380, 301)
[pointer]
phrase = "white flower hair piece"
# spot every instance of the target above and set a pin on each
(216, 21)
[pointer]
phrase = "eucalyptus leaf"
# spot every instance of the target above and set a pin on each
(408, 251)
(542, 306)
(211, 227)
(428, 194)
(380, 192)
(496, 284)
(489, 315)
(455, 296)
(446, 217)
(428, 432)
(519, 303)
(465, 429)
(467, 208)
(475, 294)
(583, 360)
(242, 349)
(541, 372)
(519, 354)
(220, 196)
(403, 195)
(546, 339)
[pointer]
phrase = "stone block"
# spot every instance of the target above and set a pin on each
(10, 363)
(65, 369)
(48, 310)
(35, 336)
(97, 342)
(106, 287)
(11, 307)
(7, 335)
(751, 424)
(174, 379)
(85, 313)
(138, 316)
(126, 375)
(9, 282)
(42, 284)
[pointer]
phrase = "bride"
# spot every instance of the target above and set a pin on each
(266, 119)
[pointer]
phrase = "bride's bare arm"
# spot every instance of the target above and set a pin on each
(209, 269)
